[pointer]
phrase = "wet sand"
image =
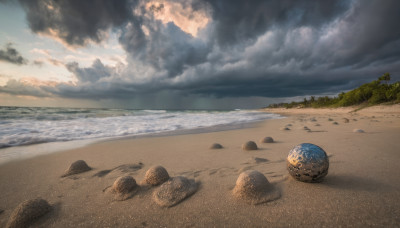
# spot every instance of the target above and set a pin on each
(362, 188)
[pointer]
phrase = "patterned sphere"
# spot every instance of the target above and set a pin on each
(308, 163)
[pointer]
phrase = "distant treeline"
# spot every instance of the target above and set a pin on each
(375, 92)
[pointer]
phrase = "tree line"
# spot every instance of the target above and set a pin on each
(372, 93)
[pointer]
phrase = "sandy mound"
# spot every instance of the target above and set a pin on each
(216, 146)
(79, 166)
(124, 187)
(250, 145)
(174, 191)
(267, 140)
(358, 131)
(27, 212)
(253, 187)
(156, 175)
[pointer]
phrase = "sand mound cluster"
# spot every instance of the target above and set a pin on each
(124, 187)
(253, 187)
(250, 145)
(79, 166)
(267, 140)
(216, 146)
(174, 191)
(27, 212)
(156, 175)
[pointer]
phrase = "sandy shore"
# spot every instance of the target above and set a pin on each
(362, 188)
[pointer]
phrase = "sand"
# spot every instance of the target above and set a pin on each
(362, 188)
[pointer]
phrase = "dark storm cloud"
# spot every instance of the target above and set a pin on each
(239, 21)
(276, 48)
(76, 21)
(91, 74)
(11, 55)
(167, 48)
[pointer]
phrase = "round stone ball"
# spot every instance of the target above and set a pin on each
(156, 175)
(250, 145)
(267, 140)
(308, 163)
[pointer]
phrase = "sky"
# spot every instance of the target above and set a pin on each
(192, 54)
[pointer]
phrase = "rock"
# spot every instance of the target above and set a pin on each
(216, 146)
(346, 120)
(267, 140)
(156, 175)
(335, 123)
(28, 212)
(358, 131)
(79, 166)
(253, 187)
(285, 129)
(250, 145)
(174, 191)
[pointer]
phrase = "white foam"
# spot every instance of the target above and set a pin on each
(70, 126)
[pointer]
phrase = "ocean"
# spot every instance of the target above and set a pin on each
(21, 126)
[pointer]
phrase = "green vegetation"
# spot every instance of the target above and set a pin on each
(375, 92)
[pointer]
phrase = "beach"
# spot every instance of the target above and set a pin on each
(362, 188)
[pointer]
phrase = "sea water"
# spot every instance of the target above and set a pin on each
(21, 126)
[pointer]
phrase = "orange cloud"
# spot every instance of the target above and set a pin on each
(36, 82)
(182, 15)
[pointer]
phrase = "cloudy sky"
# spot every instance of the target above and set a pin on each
(192, 53)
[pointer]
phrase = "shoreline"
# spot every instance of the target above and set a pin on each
(22, 152)
(361, 187)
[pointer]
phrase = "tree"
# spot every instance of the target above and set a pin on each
(385, 77)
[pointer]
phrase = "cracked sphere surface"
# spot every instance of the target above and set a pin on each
(308, 163)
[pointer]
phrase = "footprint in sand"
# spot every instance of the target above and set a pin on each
(126, 168)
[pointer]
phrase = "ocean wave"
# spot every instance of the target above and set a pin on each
(25, 130)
